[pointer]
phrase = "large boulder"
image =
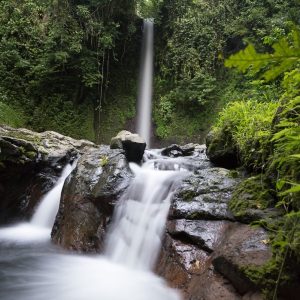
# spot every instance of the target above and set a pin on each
(133, 145)
(204, 195)
(30, 164)
(221, 149)
(206, 253)
(244, 247)
(88, 199)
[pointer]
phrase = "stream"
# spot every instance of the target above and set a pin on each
(32, 268)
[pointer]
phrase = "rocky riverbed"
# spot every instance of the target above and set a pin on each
(206, 252)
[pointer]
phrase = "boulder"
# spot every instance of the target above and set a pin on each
(30, 164)
(133, 145)
(206, 253)
(176, 150)
(88, 199)
(204, 195)
(244, 247)
(221, 150)
(206, 235)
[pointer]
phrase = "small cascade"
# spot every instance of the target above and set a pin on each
(46, 211)
(139, 220)
(145, 83)
(40, 226)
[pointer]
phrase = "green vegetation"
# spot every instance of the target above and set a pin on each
(11, 116)
(57, 59)
(266, 135)
(193, 37)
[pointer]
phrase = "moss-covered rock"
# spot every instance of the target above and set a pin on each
(253, 200)
(221, 149)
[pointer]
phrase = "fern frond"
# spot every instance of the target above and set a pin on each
(284, 57)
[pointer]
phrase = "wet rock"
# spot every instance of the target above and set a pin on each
(176, 150)
(206, 252)
(244, 246)
(133, 145)
(88, 199)
(178, 261)
(253, 200)
(211, 286)
(221, 150)
(204, 195)
(30, 164)
(206, 235)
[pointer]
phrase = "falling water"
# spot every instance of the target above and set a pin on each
(37, 271)
(140, 217)
(39, 228)
(145, 84)
(45, 213)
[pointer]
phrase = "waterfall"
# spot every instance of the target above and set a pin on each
(139, 219)
(46, 211)
(35, 272)
(145, 83)
(40, 226)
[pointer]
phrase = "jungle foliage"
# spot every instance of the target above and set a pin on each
(267, 136)
(57, 57)
(193, 38)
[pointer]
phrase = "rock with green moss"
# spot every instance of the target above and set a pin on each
(221, 149)
(253, 200)
(243, 247)
(30, 163)
(88, 199)
(204, 195)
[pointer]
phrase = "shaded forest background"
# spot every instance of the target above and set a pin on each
(72, 66)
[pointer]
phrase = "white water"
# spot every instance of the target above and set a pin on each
(46, 211)
(40, 226)
(140, 216)
(145, 84)
(36, 272)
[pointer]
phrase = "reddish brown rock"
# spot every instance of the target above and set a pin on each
(245, 246)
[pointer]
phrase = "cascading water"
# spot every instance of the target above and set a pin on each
(45, 213)
(132, 247)
(140, 217)
(145, 83)
(39, 228)
(36, 271)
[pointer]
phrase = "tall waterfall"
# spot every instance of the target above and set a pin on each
(145, 83)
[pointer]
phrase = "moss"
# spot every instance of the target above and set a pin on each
(104, 160)
(33, 138)
(251, 194)
(31, 154)
(188, 195)
(233, 174)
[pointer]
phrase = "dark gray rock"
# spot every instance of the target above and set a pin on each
(206, 235)
(133, 145)
(30, 164)
(204, 195)
(176, 150)
(88, 199)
